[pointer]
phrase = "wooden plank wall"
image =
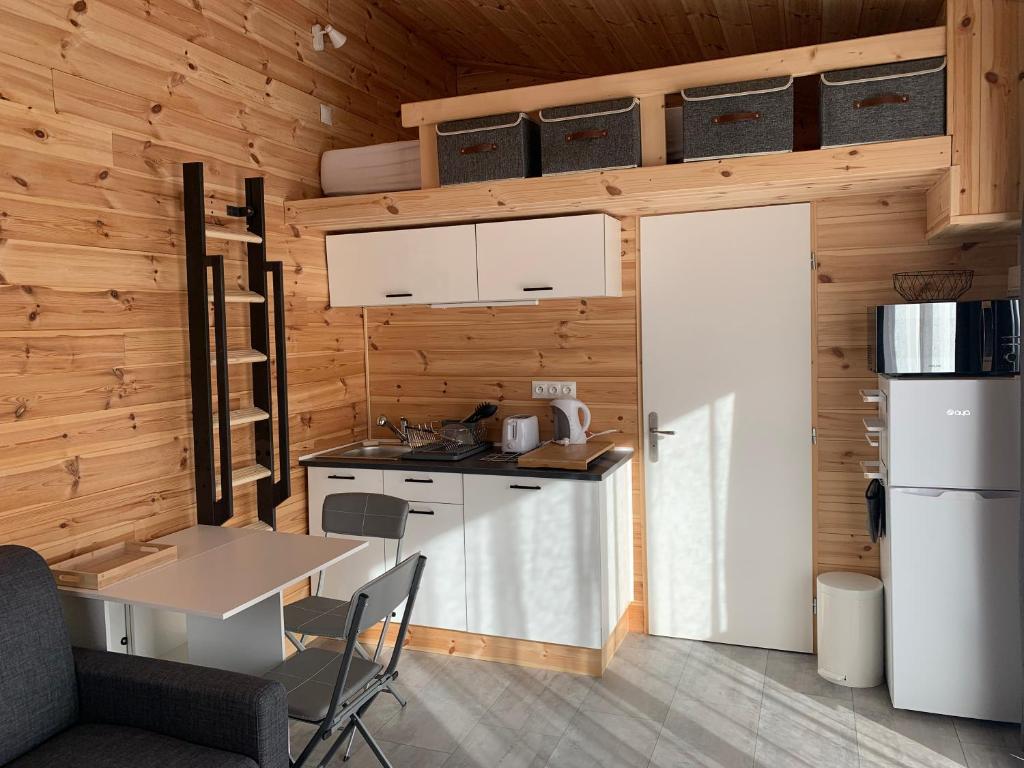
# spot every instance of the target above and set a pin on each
(100, 102)
(860, 242)
(429, 364)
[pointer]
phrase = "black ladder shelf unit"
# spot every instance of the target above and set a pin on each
(215, 487)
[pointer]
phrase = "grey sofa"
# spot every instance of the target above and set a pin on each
(76, 708)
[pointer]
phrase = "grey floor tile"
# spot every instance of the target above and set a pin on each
(416, 669)
(798, 730)
(754, 659)
(558, 703)
(662, 656)
(798, 672)
(432, 720)
(480, 681)
(601, 740)
(989, 756)
(515, 704)
(722, 681)
(702, 733)
(633, 690)
(400, 756)
(489, 746)
(984, 732)
(903, 739)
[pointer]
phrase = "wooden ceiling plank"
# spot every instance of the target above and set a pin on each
(769, 30)
(707, 28)
(737, 26)
(840, 19)
(880, 17)
(803, 22)
(806, 60)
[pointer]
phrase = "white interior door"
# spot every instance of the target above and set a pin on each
(726, 322)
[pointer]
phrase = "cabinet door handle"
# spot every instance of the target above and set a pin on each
(525, 487)
(421, 511)
(418, 480)
(341, 477)
(397, 295)
(539, 288)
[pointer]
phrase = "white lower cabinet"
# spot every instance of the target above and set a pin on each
(436, 531)
(528, 558)
(534, 559)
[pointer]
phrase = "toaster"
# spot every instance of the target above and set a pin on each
(519, 434)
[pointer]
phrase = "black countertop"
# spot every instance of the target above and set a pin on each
(598, 469)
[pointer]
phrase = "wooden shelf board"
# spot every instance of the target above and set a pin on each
(240, 356)
(245, 416)
(738, 182)
(946, 223)
(240, 297)
(218, 233)
(245, 475)
(806, 60)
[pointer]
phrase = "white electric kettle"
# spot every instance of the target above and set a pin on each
(567, 420)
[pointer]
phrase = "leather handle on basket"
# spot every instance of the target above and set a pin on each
(736, 117)
(885, 98)
(475, 148)
(586, 135)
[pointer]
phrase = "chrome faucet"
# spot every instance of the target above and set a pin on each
(401, 433)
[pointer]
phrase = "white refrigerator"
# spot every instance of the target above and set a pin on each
(950, 460)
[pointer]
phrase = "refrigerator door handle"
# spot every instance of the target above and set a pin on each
(936, 493)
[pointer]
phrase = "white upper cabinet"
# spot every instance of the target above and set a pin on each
(435, 265)
(560, 257)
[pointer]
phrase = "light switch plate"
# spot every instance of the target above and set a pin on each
(326, 114)
(551, 390)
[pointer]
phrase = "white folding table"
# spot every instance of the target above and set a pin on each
(227, 582)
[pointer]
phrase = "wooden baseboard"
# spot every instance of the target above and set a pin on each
(525, 653)
(637, 614)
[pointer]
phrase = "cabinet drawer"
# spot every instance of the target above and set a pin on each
(439, 487)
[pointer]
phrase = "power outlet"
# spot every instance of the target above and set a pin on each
(551, 390)
(326, 114)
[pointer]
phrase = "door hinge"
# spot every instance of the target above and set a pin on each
(814, 435)
(814, 606)
(814, 261)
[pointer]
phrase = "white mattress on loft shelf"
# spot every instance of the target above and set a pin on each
(378, 168)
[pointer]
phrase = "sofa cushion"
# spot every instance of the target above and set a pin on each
(37, 673)
(117, 746)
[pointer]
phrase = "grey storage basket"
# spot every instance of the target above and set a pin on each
(602, 135)
(887, 102)
(503, 146)
(753, 117)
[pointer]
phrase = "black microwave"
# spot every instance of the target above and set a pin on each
(945, 338)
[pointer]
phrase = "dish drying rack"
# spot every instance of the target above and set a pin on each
(448, 437)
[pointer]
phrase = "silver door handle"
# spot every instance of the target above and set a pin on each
(654, 435)
(663, 431)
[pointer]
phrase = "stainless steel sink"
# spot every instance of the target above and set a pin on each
(370, 450)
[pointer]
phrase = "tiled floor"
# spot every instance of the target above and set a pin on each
(661, 704)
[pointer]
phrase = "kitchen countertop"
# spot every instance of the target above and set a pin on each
(598, 469)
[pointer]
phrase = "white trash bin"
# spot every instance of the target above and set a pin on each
(850, 629)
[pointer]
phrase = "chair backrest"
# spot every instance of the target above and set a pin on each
(38, 692)
(365, 514)
(374, 603)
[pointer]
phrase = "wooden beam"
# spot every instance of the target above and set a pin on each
(744, 181)
(653, 147)
(947, 223)
(806, 60)
(428, 158)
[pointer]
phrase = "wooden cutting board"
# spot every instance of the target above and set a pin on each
(555, 456)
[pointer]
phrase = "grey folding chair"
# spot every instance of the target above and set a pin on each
(345, 514)
(348, 514)
(334, 690)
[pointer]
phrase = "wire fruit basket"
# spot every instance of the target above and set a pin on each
(933, 285)
(451, 437)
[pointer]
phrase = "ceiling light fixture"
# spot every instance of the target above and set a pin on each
(319, 32)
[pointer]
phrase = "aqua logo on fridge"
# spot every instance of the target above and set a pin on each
(958, 412)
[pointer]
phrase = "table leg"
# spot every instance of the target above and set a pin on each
(249, 642)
